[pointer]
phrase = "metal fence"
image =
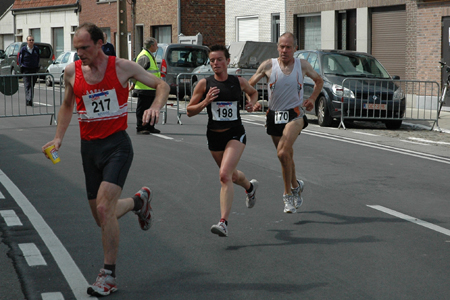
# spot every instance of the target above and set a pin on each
(13, 98)
(390, 101)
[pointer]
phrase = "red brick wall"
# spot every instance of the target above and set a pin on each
(157, 13)
(206, 17)
(103, 14)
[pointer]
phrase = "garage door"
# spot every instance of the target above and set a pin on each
(248, 29)
(389, 39)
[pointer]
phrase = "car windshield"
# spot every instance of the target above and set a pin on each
(190, 58)
(353, 65)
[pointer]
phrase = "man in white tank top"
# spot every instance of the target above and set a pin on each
(285, 117)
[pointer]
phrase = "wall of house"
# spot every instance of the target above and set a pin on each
(263, 10)
(104, 15)
(205, 17)
(157, 13)
(6, 30)
(47, 20)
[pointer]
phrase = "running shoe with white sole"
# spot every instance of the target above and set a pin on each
(251, 197)
(104, 285)
(145, 214)
(220, 229)
(289, 204)
(296, 193)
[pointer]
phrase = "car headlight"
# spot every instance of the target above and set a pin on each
(337, 91)
(398, 94)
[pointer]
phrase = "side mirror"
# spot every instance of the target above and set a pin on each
(2, 55)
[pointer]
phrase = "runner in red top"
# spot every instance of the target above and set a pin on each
(99, 86)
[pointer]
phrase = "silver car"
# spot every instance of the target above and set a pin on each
(56, 69)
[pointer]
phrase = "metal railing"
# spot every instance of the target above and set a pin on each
(13, 97)
(390, 101)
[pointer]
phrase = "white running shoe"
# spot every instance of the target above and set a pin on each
(220, 229)
(145, 213)
(296, 193)
(104, 285)
(289, 204)
(251, 197)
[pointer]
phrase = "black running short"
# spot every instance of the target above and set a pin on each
(217, 141)
(107, 160)
(277, 129)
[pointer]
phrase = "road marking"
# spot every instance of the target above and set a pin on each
(11, 218)
(69, 269)
(415, 143)
(428, 141)
(32, 255)
(411, 219)
(365, 133)
(163, 136)
(1, 196)
(52, 296)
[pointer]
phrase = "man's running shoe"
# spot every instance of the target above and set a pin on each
(289, 204)
(145, 214)
(220, 229)
(296, 193)
(251, 198)
(104, 285)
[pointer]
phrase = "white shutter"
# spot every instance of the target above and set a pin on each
(248, 29)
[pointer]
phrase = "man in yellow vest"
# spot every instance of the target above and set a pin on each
(146, 94)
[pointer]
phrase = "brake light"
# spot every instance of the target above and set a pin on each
(53, 57)
(17, 59)
(163, 68)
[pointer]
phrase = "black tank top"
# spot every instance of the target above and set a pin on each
(223, 112)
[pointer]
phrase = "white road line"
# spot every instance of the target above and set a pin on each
(365, 133)
(69, 269)
(411, 219)
(52, 296)
(428, 141)
(11, 218)
(32, 255)
(415, 143)
(1, 196)
(163, 136)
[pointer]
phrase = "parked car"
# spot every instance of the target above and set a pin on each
(173, 59)
(9, 63)
(57, 67)
(364, 98)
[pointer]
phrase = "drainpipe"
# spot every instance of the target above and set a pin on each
(179, 18)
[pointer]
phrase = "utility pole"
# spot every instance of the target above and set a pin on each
(122, 30)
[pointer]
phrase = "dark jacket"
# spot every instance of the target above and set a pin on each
(27, 59)
(108, 49)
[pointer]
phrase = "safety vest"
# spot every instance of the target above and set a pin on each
(152, 69)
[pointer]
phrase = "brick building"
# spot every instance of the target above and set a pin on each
(167, 19)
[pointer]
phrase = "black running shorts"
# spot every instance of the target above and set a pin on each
(217, 141)
(277, 129)
(107, 160)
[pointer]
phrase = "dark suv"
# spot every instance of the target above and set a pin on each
(9, 59)
(359, 81)
(173, 59)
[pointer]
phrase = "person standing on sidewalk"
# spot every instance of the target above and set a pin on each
(98, 85)
(29, 64)
(286, 117)
(146, 94)
(220, 94)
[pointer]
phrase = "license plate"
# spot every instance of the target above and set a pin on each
(374, 106)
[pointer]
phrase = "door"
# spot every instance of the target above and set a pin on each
(445, 50)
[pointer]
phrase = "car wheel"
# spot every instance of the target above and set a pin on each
(393, 124)
(323, 115)
(48, 80)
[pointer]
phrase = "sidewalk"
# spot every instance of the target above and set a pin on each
(444, 121)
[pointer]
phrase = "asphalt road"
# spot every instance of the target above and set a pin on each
(374, 223)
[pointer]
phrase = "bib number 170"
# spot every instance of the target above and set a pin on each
(281, 117)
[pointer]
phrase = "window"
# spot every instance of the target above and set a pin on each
(247, 29)
(312, 59)
(58, 40)
(36, 33)
(182, 57)
(309, 32)
(163, 34)
(275, 27)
